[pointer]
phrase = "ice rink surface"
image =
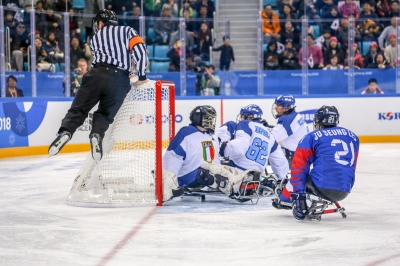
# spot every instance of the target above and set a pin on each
(38, 228)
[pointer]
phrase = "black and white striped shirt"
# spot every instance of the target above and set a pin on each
(117, 45)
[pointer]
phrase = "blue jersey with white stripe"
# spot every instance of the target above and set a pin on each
(190, 149)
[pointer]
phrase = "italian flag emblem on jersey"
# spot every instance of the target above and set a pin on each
(208, 151)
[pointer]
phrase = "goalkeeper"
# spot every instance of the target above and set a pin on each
(107, 83)
(192, 161)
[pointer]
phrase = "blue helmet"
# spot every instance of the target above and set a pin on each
(287, 101)
(251, 109)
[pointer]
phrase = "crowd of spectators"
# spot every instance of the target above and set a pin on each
(375, 24)
(374, 33)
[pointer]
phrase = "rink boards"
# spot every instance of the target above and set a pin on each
(28, 125)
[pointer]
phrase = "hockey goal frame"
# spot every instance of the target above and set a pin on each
(158, 121)
(161, 140)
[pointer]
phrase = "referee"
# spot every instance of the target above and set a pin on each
(107, 82)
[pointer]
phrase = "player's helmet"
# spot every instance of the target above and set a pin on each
(108, 17)
(204, 116)
(287, 101)
(326, 116)
(248, 110)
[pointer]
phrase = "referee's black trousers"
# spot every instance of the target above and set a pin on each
(102, 83)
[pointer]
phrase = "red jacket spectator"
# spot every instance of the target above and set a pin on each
(348, 8)
(314, 51)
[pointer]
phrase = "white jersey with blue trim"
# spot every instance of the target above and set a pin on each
(226, 132)
(190, 149)
(290, 129)
(252, 146)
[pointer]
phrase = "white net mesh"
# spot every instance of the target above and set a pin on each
(124, 175)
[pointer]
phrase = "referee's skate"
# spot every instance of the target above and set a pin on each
(59, 143)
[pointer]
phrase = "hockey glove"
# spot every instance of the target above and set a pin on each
(222, 148)
(299, 205)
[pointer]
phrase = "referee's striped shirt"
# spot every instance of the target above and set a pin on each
(117, 45)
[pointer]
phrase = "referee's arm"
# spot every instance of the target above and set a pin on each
(138, 51)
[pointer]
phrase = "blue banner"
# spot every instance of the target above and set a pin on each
(239, 82)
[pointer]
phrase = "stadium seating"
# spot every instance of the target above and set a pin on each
(159, 66)
(364, 48)
(317, 32)
(160, 53)
(78, 4)
(270, 2)
(150, 48)
(151, 34)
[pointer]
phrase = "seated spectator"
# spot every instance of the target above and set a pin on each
(164, 27)
(203, 18)
(288, 59)
(134, 22)
(343, 34)
(190, 24)
(172, 5)
(209, 6)
(188, 37)
(271, 25)
(349, 7)
(73, 24)
(53, 20)
(76, 52)
(174, 55)
(382, 7)
(394, 10)
(186, 7)
(332, 16)
(47, 3)
(333, 49)
(20, 41)
(287, 15)
(380, 62)
(43, 60)
(368, 26)
(391, 50)
(325, 44)
(227, 54)
(271, 56)
(326, 8)
(372, 87)
(387, 32)
(314, 52)
(76, 78)
(40, 18)
(9, 20)
(370, 56)
(333, 63)
(189, 63)
(152, 8)
(358, 60)
(210, 83)
(311, 11)
(281, 5)
(203, 41)
(12, 90)
(53, 49)
(289, 32)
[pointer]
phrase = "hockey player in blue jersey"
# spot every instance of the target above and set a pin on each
(332, 152)
(291, 127)
(249, 144)
(192, 160)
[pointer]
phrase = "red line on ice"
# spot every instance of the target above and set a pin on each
(128, 236)
(380, 261)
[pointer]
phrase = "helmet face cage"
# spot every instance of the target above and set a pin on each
(287, 101)
(327, 116)
(108, 17)
(251, 109)
(204, 116)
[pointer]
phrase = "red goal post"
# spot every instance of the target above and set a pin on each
(130, 172)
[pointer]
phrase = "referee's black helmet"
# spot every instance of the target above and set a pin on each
(108, 17)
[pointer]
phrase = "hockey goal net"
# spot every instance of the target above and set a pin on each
(130, 172)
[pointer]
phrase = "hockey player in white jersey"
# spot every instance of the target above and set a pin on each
(191, 159)
(291, 127)
(251, 143)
